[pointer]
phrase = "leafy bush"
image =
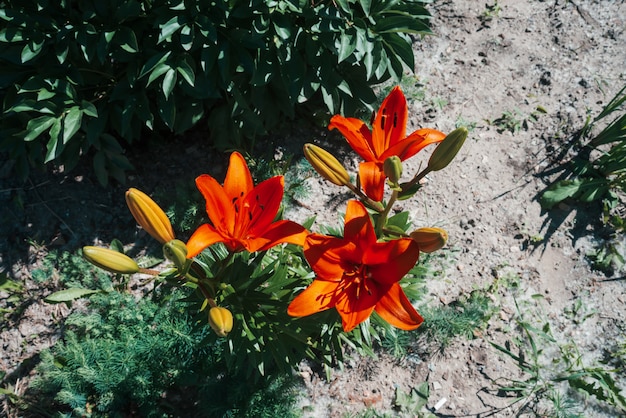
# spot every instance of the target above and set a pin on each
(89, 77)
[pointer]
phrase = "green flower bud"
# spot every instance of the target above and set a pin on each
(447, 149)
(326, 165)
(392, 167)
(221, 320)
(176, 251)
(430, 239)
(110, 260)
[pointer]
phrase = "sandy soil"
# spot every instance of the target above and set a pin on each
(569, 59)
(484, 61)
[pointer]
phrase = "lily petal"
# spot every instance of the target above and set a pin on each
(238, 181)
(395, 308)
(372, 180)
(203, 237)
(279, 232)
(319, 296)
(354, 308)
(259, 207)
(219, 206)
(358, 226)
(414, 143)
(356, 133)
(324, 255)
(389, 127)
(389, 261)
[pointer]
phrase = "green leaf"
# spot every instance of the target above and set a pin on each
(404, 24)
(44, 94)
(169, 28)
(54, 147)
(127, 40)
(558, 192)
(186, 71)
(30, 51)
(347, 46)
(37, 126)
(158, 71)
(366, 5)
(89, 109)
(169, 82)
(69, 295)
(154, 61)
(71, 122)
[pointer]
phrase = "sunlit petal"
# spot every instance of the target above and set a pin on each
(395, 308)
(203, 237)
(389, 126)
(218, 205)
(390, 261)
(358, 226)
(324, 256)
(260, 206)
(372, 180)
(355, 309)
(414, 143)
(280, 232)
(238, 181)
(356, 133)
(319, 296)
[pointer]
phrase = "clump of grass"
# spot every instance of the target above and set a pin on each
(460, 318)
(149, 357)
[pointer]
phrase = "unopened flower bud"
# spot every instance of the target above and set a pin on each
(176, 251)
(110, 260)
(221, 320)
(447, 149)
(429, 239)
(326, 165)
(392, 167)
(149, 216)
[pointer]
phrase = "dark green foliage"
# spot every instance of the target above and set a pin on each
(148, 357)
(89, 77)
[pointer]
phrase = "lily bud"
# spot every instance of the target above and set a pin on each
(176, 251)
(447, 149)
(149, 216)
(110, 260)
(221, 320)
(429, 239)
(392, 167)
(326, 165)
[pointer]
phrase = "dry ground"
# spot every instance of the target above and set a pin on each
(485, 61)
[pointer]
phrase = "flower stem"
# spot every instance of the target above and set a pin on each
(382, 218)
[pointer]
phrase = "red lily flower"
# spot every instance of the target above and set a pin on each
(357, 275)
(242, 214)
(387, 138)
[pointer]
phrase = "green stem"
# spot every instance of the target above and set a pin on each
(382, 218)
(416, 179)
(377, 206)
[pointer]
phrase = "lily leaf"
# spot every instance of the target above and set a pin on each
(68, 295)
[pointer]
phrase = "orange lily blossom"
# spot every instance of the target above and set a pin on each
(357, 275)
(387, 138)
(241, 214)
